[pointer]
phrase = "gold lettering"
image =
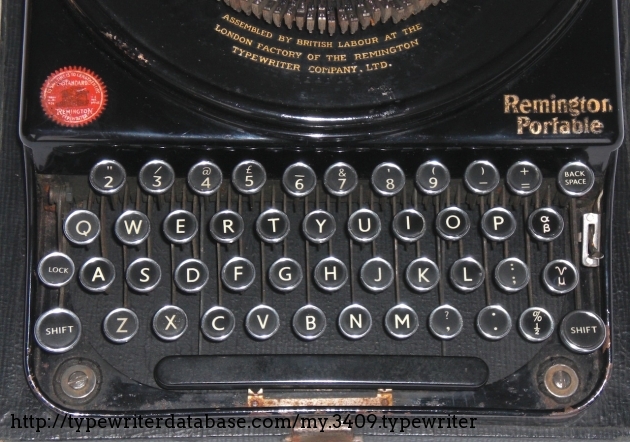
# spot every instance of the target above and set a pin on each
(265, 60)
(387, 51)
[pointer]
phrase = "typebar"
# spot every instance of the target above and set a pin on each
(320, 371)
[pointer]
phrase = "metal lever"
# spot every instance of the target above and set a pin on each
(591, 233)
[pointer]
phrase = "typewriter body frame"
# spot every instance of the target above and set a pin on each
(48, 155)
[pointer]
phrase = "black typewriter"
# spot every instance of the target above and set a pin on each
(281, 205)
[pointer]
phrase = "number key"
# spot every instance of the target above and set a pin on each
(388, 179)
(299, 180)
(432, 178)
(205, 178)
(340, 179)
(156, 177)
(107, 177)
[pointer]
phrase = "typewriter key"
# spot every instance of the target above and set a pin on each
(309, 322)
(401, 321)
(498, 224)
(205, 178)
(330, 274)
(143, 275)
(156, 177)
(524, 178)
(452, 223)
(249, 177)
(285, 274)
(191, 276)
(388, 179)
(217, 324)
(272, 226)
(180, 226)
(364, 225)
(422, 275)
(226, 226)
(576, 179)
(494, 322)
(57, 330)
(319, 226)
(107, 177)
(340, 179)
(299, 180)
(132, 227)
(432, 178)
(536, 324)
(81, 227)
(582, 331)
(376, 274)
(560, 276)
(170, 322)
(445, 322)
(55, 269)
(467, 274)
(511, 275)
(545, 224)
(408, 225)
(481, 177)
(120, 325)
(355, 321)
(262, 322)
(238, 274)
(97, 274)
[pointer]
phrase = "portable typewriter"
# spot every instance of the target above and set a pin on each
(293, 204)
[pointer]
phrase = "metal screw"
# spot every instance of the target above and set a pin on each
(561, 379)
(77, 380)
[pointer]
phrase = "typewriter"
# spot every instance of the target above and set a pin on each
(278, 205)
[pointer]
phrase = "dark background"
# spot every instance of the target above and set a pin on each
(607, 418)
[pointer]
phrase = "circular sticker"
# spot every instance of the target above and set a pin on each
(73, 96)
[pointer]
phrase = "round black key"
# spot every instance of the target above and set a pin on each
(576, 179)
(467, 274)
(205, 178)
(422, 275)
(560, 276)
(132, 227)
(364, 225)
(536, 324)
(107, 177)
(180, 226)
(354, 321)
(55, 269)
(388, 179)
(143, 275)
(309, 322)
(376, 274)
(401, 321)
(493, 322)
(191, 276)
(97, 274)
(481, 177)
(511, 275)
(120, 325)
(57, 330)
(81, 227)
(285, 274)
(217, 323)
(299, 180)
(330, 274)
(498, 224)
(319, 226)
(432, 178)
(249, 177)
(238, 274)
(262, 322)
(169, 323)
(156, 177)
(226, 226)
(545, 224)
(445, 322)
(408, 225)
(582, 331)
(524, 178)
(340, 179)
(452, 223)
(272, 226)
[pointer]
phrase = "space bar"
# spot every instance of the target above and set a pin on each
(320, 371)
